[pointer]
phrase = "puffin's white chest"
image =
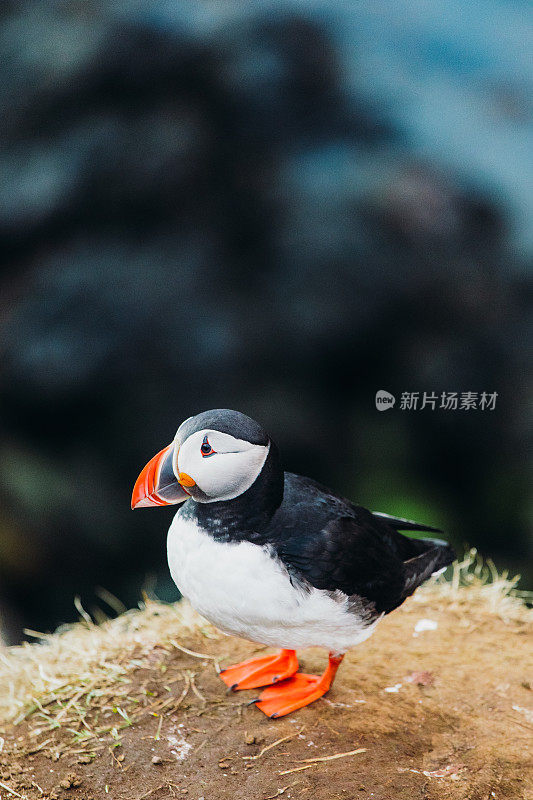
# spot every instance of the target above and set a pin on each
(244, 591)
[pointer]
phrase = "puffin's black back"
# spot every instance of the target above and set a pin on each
(335, 545)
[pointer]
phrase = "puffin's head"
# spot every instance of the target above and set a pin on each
(216, 455)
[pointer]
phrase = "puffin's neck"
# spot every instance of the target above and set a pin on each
(245, 517)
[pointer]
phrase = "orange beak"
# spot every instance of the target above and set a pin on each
(157, 485)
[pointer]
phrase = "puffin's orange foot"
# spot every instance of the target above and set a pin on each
(294, 693)
(261, 671)
(298, 691)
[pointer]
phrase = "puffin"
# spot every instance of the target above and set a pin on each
(275, 557)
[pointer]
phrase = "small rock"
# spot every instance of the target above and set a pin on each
(84, 760)
(252, 738)
(157, 760)
(70, 781)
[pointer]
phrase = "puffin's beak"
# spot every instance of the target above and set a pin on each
(157, 485)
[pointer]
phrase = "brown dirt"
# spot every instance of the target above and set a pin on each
(464, 735)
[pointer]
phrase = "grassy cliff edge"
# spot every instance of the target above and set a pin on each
(437, 704)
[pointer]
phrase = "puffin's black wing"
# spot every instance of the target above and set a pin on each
(335, 545)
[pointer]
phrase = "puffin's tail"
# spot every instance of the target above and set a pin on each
(408, 548)
(422, 558)
(401, 524)
(433, 559)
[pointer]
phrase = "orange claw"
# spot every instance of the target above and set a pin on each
(298, 691)
(261, 671)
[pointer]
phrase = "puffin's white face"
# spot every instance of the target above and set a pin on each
(204, 463)
(213, 466)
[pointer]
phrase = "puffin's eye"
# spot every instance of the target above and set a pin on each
(206, 449)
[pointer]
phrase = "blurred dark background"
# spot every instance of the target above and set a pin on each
(275, 207)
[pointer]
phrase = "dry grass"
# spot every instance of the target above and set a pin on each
(476, 584)
(84, 658)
